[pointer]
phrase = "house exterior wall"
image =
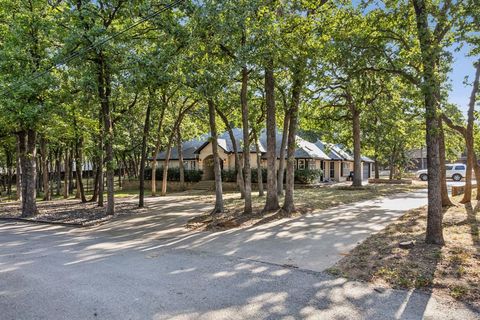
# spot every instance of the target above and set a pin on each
(341, 169)
(207, 151)
(188, 164)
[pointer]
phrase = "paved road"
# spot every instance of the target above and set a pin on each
(149, 267)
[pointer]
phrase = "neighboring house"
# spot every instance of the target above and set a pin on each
(341, 162)
(418, 159)
(336, 163)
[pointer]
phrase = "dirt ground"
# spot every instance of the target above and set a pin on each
(70, 211)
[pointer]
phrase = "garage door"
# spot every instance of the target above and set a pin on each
(366, 170)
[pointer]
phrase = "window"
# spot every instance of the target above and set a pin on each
(448, 168)
(345, 169)
(311, 164)
(190, 164)
(459, 167)
(332, 170)
(301, 163)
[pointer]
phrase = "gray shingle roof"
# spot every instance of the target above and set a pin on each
(305, 149)
(338, 152)
(189, 148)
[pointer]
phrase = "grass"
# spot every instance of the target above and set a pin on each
(452, 269)
(306, 201)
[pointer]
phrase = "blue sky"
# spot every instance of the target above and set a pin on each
(462, 67)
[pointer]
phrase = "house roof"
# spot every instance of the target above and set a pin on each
(189, 148)
(338, 152)
(305, 149)
(226, 143)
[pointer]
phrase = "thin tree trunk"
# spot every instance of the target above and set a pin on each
(357, 159)
(471, 157)
(259, 168)
(181, 167)
(71, 184)
(216, 160)
(247, 171)
(29, 169)
(238, 165)
(166, 163)
(271, 202)
(9, 158)
(45, 176)
(58, 171)
(19, 168)
(446, 202)
(283, 146)
(79, 170)
(156, 151)
(143, 160)
(377, 172)
(297, 85)
(66, 185)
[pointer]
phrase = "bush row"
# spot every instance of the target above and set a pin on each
(305, 176)
(174, 174)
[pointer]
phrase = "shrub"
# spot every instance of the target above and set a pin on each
(255, 175)
(229, 175)
(174, 174)
(307, 176)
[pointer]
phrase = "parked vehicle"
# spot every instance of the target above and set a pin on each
(455, 171)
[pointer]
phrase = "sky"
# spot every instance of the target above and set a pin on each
(462, 67)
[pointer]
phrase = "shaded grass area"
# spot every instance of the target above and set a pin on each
(452, 270)
(306, 201)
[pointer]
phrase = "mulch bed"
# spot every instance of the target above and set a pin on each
(67, 212)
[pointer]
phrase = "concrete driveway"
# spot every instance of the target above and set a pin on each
(150, 267)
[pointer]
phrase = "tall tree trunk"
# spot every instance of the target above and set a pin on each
(29, 170)
(357, 159)
(156, 151)
(430, 84)
(9, 158)
(446, 202)
(71, 184)
(271, 202)
(247, 171)
(377, 172)
(471, 157)
(259, 167)
(66, 185)
(216, 160)
(104, 91)
(58, 171)
(18, 177)
(181, 166)
(238, 165)
(297, 85)
(45, 175)
(96, 176)
(476, 168)
(79, 169)
(143, 160)
(101, 184)
(283, 146)
(166, 163)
